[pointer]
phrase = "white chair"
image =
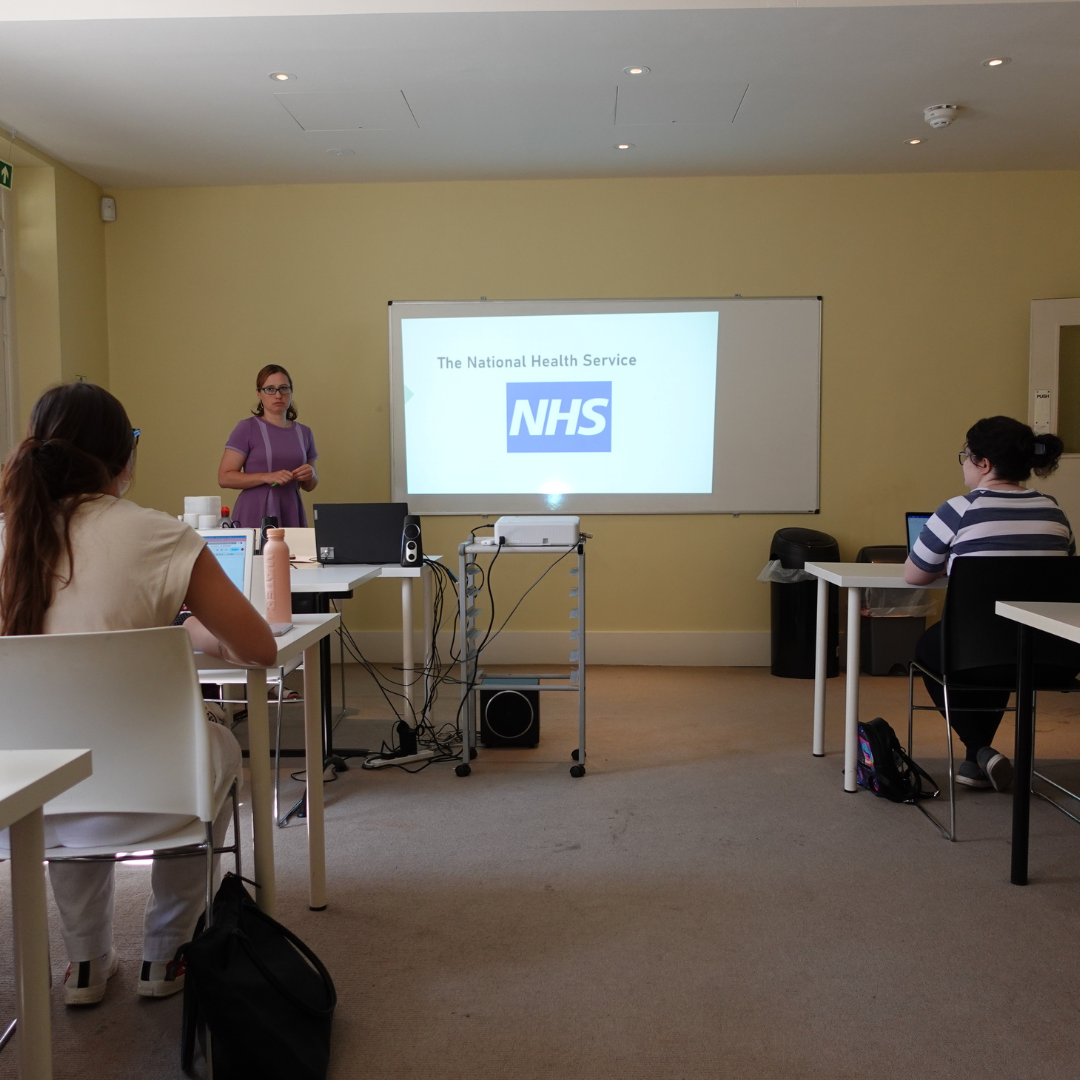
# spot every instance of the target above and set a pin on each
(133, 698)
(275, 677)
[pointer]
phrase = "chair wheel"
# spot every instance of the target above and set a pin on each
(573, 755)
(577, 770)
(463, 770)
(472, 753)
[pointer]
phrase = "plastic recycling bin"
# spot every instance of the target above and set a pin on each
(794, 605)
(892, 620)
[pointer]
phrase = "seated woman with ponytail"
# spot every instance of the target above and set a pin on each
(78, 558)
(999, 516)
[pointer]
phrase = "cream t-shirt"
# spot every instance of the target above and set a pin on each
(132, 568)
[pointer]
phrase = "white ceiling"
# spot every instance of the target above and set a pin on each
(458, 94)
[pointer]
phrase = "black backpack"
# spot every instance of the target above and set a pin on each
(264, 995)
(885, 769)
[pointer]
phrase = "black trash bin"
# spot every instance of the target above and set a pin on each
(887, 642)
(794, 605)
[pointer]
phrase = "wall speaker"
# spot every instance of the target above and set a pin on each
(412, 551)
(510, 717)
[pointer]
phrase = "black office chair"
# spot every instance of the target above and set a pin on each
(979, 649)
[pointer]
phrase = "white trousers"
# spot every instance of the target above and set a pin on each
(84, 892)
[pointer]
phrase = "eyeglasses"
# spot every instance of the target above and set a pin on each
(135, 433)
(964, 455)
(273, 391)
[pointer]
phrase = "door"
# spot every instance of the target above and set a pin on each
(1054, 394)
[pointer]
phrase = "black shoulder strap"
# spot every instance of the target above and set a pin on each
(920, 774)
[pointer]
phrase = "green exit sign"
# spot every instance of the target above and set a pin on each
(5, 175)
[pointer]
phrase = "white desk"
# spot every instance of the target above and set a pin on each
(1061, 620)
(305, 637)
(324, 580)
(28, 780)
(854, 577)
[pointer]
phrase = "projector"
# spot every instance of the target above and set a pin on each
(537, 531)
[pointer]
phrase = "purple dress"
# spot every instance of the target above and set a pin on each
(267, 448)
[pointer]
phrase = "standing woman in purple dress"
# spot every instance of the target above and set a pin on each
(269, 457)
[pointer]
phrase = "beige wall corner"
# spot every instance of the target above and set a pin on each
(59, 316)
(36, 287)
(80, 250)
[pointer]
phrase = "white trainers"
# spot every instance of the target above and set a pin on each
(161, 978)
(87, 987)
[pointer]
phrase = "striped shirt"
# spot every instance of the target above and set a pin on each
(988, 522)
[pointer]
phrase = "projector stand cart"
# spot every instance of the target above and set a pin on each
(470, 637)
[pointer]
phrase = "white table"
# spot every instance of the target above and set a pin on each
(28, 780)
(305, 637)
(1061, 620)
(325, 580)
(854, 577)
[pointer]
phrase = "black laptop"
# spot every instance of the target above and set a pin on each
(351, 533)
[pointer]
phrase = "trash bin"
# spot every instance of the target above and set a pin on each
(892, 620)
(794, 603)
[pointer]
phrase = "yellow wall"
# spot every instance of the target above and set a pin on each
(58, 253)
(926, 282)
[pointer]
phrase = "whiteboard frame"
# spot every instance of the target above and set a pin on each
(740, 494)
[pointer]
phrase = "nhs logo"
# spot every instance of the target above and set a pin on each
(558, 417)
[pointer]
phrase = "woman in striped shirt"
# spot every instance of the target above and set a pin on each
(998, 517)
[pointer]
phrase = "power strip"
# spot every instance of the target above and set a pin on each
(380, 762)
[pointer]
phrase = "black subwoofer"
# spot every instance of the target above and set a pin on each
(509, 717)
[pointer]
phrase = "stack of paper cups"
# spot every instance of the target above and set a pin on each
(202, 511)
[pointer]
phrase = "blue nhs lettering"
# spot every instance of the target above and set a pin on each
(558, 417)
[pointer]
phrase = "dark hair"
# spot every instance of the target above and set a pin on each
(80, 440)
(1013, 448)
(260, 381)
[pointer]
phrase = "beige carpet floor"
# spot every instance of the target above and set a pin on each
(706, 903)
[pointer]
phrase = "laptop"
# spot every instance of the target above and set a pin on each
(234, 550)
(359, 533)
(915, 522)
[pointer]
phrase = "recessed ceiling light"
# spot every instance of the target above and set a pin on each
(281, 76)
(997, 61)
(624, 146)
(636, 69)
(912, 142)
(341, 151)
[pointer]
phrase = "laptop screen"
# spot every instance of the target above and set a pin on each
(231, 549)
(915, 523)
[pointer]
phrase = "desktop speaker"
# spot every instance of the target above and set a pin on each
(510, 717)
(412, 552)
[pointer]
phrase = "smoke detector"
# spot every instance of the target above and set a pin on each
(939, 116)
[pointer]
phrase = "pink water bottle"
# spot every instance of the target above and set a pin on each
(277, 577)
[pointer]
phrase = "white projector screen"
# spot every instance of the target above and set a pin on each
(606, 406)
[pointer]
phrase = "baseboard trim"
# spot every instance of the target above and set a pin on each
(664, 648)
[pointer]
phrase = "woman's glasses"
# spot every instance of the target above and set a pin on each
(963, 456)
(273, 391)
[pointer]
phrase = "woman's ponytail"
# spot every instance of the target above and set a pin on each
(1045, 454)
(79, 441)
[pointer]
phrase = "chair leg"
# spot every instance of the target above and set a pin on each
(952, 771)
(910, 709)
(236, 829)
(277, 742)
(210, 922)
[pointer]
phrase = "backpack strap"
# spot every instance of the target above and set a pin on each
(920, 774)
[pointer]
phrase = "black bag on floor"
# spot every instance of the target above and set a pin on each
(266, 998)
(885, 769)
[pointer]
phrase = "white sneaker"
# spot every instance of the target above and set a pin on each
(90, 979)
(161, 978)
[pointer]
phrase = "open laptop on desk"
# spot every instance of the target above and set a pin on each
(234, 550)
(915, 522)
